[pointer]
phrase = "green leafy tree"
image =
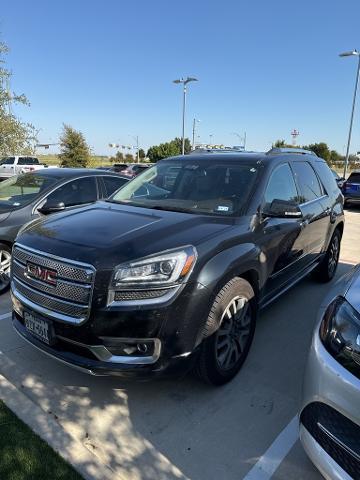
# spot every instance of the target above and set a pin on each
(129, 158)
(75, 152)
(16, 136)
(168, 149)
(119, 158)
(321, 149)
(142, 154)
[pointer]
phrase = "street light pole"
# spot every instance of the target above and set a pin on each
(193, 132)
(184, 81)
(349, 54)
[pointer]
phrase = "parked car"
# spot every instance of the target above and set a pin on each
(145, 284)
(339, 180)
(32, 195)
(330, 413)
(134, 169)
(351, 188)
(10, 166)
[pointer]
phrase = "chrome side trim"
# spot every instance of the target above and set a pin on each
(104, 355)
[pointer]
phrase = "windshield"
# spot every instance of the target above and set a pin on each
(19, 190)
(192, 186)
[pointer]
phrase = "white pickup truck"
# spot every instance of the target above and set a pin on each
(10, 166)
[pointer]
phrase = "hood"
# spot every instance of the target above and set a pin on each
(104, 233)
(353, 293)
(4, 215)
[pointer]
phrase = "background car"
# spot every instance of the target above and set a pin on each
(26, 197)
(134, 169)
(351, 188)
(330, 414)
(339, 180)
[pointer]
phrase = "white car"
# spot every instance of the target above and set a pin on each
(16, 165)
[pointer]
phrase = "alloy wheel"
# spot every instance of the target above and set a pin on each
(334, 253)
(233, 333)
(5, 259)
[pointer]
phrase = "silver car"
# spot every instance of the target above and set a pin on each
(330, 412)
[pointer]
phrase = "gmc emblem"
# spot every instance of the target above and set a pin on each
(41, 273)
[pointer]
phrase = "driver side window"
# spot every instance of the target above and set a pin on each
(281, 186)
(77, 192)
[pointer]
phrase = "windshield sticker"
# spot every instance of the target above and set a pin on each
(222, 208)
(253, 170)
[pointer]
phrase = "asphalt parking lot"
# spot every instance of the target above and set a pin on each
(182, 429)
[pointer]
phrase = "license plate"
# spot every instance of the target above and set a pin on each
(39, 327)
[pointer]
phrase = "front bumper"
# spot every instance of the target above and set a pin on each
(77, 356)
(330, 415)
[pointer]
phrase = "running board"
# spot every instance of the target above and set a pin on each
(290, 285)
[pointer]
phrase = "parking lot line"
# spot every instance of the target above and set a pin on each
(5, 315)
(266, 466)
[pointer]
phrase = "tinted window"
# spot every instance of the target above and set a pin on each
(327, 177)
(77, 192)
(307, 181)
(8, 161)
(112, 184)
(196, 186)
(281, 186)
(354, 177)
(19, 190)
(28, 161)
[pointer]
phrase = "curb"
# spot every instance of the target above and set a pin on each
(71, 450)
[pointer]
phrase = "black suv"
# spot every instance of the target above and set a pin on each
(170, 272)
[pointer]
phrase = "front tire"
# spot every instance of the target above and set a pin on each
(5, 261)
(223, 353)
(327, 268)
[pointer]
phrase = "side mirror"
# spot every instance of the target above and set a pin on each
(282, 209)
(51, 207)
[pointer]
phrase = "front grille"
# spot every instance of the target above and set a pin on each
(139, 294)
(336, 434)
(69, 300)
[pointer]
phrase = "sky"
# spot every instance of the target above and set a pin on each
(106, 68)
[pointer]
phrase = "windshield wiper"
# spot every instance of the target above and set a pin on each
(170, 208)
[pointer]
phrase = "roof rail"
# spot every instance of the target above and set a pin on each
(299, 151)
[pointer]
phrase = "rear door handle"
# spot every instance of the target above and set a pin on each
(328, 211)
(304, 223)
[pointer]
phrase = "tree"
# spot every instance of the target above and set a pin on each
(119, 158)
(168, 149)
(321, 149)
(129, 158)
(16, 137)
(75, 152)
(142, 154)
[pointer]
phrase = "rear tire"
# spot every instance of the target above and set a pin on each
(5, 260)
(327, 268)
(223, 353)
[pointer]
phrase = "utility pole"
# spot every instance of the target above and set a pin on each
(193, 132)
(184, 81)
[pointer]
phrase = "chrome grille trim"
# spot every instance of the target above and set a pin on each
(63, 288)
(68, 301)
(66, 269)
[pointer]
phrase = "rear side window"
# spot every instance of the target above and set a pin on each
(327, 177)
(281, 186)
(8, 161)
(112, 184)
(354, 177)
(77, 192)
(28, 161)
(307, 182)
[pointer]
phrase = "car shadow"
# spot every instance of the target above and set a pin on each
(181, 428)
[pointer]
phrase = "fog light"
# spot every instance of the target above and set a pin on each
(142, 348)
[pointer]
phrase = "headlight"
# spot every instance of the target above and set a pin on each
(340, 334)
(165, 268)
